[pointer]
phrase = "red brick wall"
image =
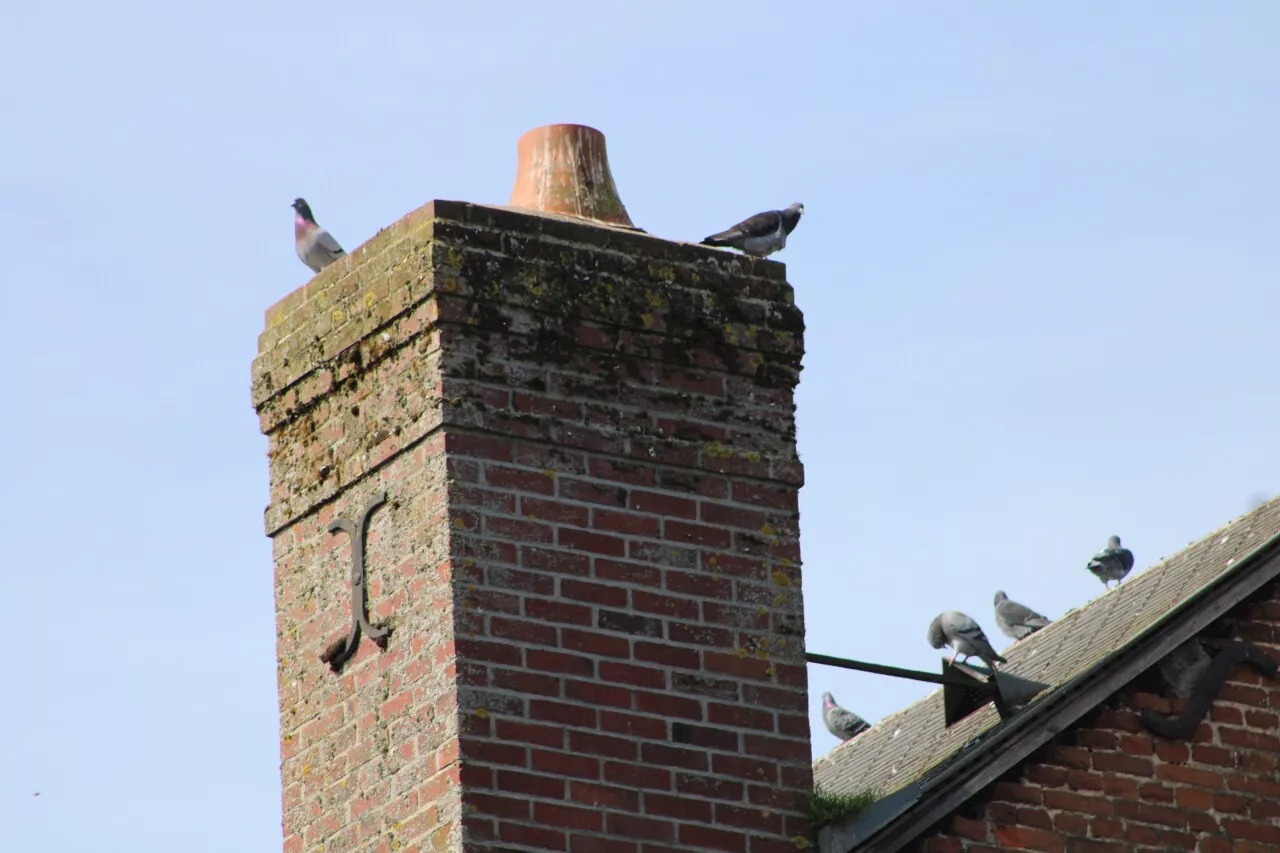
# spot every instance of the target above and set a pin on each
(1109, 785)
(590, 555)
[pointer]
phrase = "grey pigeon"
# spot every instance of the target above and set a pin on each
(1112, 563)
(1017, 620)
(760, 235)
(955, 629)
(845, 725)
(315, 246)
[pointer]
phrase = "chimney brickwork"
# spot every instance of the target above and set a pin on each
(588, 556)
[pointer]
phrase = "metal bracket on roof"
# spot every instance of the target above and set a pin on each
(960, 699)
(340, 651)
(1009, 692)
(965, 688)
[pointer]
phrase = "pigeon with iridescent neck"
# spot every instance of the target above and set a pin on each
(315, 246)
(845, 725)
(955, 629)
(1112, 563)
(760, 235)
(1016, 620)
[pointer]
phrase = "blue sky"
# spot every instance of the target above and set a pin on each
(1037, 267)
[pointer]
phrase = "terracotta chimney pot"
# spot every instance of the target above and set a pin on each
(564, 168)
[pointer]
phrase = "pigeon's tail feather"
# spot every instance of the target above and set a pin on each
(724, 238)
(991, 660)
(984, 649)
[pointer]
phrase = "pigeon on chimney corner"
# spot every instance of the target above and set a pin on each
(760, 235)
(315, 246)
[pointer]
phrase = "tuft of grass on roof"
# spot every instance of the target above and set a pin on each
(827, 807)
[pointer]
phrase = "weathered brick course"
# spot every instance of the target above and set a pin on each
(589, 557)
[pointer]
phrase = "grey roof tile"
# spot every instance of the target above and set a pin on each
(904, 747)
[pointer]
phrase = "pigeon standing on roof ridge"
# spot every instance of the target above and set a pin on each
(964, 635)
(760, 235)
(842, 723)
(1017, 620)
(1112, 563)
(315, 246)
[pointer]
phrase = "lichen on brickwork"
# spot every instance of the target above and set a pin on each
(588, 437)
(565, 289)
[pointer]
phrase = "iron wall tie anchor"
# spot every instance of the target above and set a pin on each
(340, 651)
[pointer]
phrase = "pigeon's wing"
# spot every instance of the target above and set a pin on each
(975, 636)
(324, 240)
(760, 225)
(852, 725)
(964, 626)
(1019, 614)
(845, 724)
(1112, 564)
(1010, 629)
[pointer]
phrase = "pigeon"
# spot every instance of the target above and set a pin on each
(1112, 563)
(955, 629)
(1017, 620)
(315, 246)
(845, 725)
(760, 235)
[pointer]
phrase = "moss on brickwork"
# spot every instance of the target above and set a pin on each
(541, 400)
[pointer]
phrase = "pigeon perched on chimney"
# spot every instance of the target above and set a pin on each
(955, 629)
(1112, 563)
(845, 725)
(760, 235)
(315, 246)
(1017, 620)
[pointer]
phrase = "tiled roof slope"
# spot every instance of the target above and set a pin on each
(905, 747)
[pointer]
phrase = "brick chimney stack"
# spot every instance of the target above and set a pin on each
(571, 449)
